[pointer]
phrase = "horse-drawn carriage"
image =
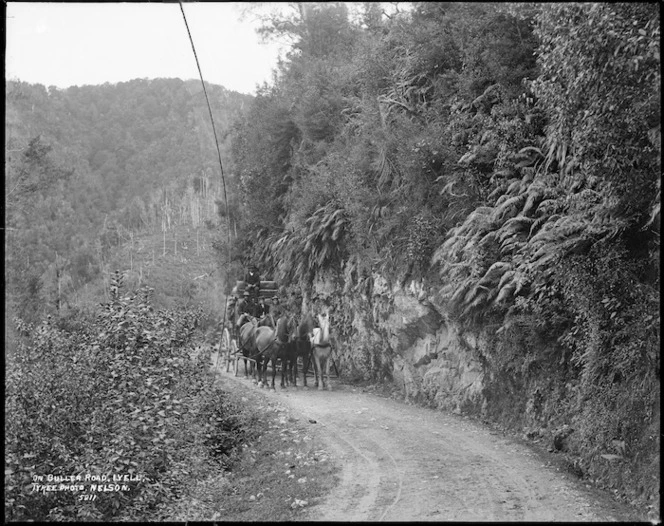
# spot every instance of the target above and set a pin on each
(243, 300)
(276, 337)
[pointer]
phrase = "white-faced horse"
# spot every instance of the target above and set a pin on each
(322, 351)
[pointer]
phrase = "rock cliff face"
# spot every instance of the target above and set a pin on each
(401, 334)
(522, 380)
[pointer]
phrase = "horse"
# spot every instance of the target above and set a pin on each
(247, 340)
(289, 360)
(272, 345)
(322, 351)
(266, 321)
(240, 314)
(301, 346)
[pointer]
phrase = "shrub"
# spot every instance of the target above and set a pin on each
(116, 394)
(615, 343)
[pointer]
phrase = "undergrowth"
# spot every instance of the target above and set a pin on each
(111, 398)
(580, 368)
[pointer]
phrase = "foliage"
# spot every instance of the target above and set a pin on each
(557, 196)
(565, 243)
(296, 258)
(31, 177)
(614, 339)
(614, 344)
(506, 152)
(87, 167)
(506, 155)
(114, 394)
(601, 86)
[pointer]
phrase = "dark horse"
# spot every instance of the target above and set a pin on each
(272, 344)
(300, 346)
(247, 340)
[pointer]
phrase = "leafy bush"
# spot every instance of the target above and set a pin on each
(119, 394)
(615, 342)
(515, 148)
(590, 343)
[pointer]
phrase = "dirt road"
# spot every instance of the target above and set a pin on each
(406, 463)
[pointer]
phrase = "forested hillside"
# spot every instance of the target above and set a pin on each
(89, 168)
(472, 189)
(112, 218)
(504, 160)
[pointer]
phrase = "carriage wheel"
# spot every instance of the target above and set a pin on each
(236, 361)
(225, 344)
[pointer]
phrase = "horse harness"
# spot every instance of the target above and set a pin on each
(276, 339)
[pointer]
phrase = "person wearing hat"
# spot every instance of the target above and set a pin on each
(253, 280)
(249, 306)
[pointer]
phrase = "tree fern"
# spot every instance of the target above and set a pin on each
(461, 292)
(511, 246)
(488, 239)
(472, 293)
(477, 301)
(537, 191)
(536, 225)
(549, 206)
(514, 225)
(507, 277)
(494, 272)
(472, 241)
(497, 192)
(510, 206)
(514, 187)
(501, 200)
(505, 292)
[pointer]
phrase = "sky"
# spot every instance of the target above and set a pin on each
(66, 44)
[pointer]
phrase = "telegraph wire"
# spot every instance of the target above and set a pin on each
(221, 168)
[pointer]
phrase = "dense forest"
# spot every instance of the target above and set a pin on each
(506, 157)
(112, 199)
(88, 167)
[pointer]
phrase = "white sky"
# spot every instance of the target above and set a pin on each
(65, 44)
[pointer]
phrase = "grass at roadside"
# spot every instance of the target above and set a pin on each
(274, 477)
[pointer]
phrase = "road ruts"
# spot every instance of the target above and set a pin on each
(407, 463)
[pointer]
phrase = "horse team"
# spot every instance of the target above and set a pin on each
(266, 340)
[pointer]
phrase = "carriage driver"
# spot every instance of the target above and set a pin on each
(253, 280)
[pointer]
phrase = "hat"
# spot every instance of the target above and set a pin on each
(246, 293)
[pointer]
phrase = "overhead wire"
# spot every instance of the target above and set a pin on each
(221, 168)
